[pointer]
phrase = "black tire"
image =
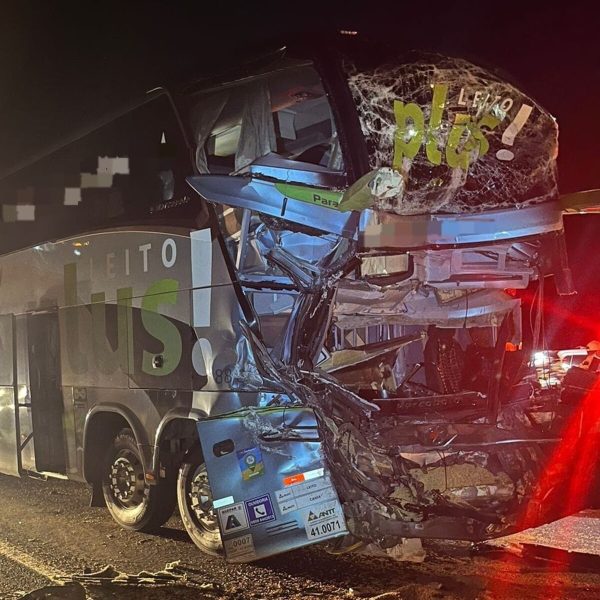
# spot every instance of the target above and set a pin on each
(194, 497)
(132, 503)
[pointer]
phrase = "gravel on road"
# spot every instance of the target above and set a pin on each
(50, 525)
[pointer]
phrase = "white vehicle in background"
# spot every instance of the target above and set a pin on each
(572, 357)
(552, 365)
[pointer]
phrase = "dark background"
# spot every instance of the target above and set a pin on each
(63, 63)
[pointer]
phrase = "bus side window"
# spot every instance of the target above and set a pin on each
(127, 171)
(136, 165)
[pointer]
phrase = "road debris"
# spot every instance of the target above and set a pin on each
(109, 583)
(174, 573)
(68, 591)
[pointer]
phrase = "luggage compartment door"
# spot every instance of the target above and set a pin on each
(271, 489)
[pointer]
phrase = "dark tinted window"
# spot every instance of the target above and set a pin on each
(129, 171)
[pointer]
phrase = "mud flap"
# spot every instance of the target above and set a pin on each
(272, 491)
(96, 496)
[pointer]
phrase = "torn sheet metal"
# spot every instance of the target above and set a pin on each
(272, 489)
(375, 414)
(297, 204)
(379, 188)
(109, 582)
(463, 139)
(422, 306)
(345, 359)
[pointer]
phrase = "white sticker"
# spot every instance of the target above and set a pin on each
(325, 520)
(316, 497)
(298, 490)
(305, 494)
(287, 506)
(238, 547)
(311, 486)
(233, 518)
(223, 502)
(283, 495)
(314, 474)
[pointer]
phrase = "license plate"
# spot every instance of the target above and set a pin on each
(325, 529)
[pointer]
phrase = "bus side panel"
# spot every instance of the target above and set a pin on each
(125, 298)
(75, 410)
(94, 353)
(9, 434)
(163, 339)
(24, 396)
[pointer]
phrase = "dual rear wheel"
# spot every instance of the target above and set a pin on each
(132, 503)
(135, 505)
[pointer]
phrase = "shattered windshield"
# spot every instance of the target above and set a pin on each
(463, 139)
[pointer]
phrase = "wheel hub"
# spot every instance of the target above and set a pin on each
(201, 501)
(127, 481)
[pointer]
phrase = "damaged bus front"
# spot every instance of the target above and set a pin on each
(379, 227)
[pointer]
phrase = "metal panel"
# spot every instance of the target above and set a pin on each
(272, 491)
(291, 171)
(24, 395)
(9, 463)
(26, 431)
(265, 198)
(6, 350)
(9, 419)
(70, 413)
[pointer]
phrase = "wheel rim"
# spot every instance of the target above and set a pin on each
(200, 501)
(126, 480)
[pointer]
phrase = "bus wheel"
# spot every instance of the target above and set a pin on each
(133, 503)
(196, 504)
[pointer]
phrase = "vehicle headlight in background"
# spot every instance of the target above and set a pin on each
(541, 359)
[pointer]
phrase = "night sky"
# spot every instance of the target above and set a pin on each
(62, 63)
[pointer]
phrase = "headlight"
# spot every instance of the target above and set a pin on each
(541, 359)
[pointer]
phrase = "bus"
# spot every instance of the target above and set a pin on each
(280, 297)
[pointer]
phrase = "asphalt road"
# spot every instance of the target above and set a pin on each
(22, 578)
(47, 530)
